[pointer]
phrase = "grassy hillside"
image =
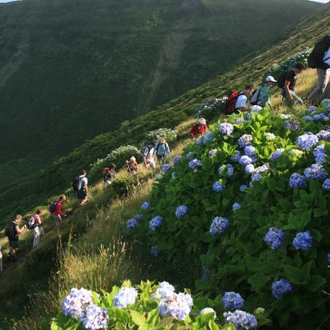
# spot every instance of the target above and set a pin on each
(70, 70)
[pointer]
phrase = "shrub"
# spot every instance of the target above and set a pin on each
(168, 134)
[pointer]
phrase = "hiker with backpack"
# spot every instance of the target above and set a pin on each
(287, 81)
(149, 156)
(261, 96)
(198, 129)
(132, 165)
(34, 223)
(80, 185)
(242, 98)
(319, 59)
(57, 214)
(162, 150)
(109, 174)
(12, 232)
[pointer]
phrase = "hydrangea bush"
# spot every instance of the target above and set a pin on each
(261, 230)
(210, 109)
(168, 134)
(150, 306)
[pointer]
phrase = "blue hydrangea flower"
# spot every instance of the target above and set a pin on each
(194, 163)
(218, 187)
(243, 187)
(275, 155)
(312, 109)
(308, 118)
(190, 155)
(275, 238)
(320, 116)
(256, 176)
(213, 152)
(245, 160)
(176, 159)
(207, 137)
(164, 290)
(315, 172)
(307, 141)
(181, 211)
(262, 169)
(138, 217)
(326, 184)
(145, 205)
(240, 121)
(236, 157)
(320, 154)
(280, 287)
(126, 296)
(250, 150)
(323, 135)
(166, 167)
(241, 319)
(297, 181)
(245, 140)
(219, 225)
(155, 222)
(95, 317)
(226, 128)
(131, 223)
(76, 302)
(328, 257)
(155, 251)
(178, 306)
(292, 125)
(232, 300)
(236, 206)
(207, 310)
(226, 171)
(249, 169)
(303, 241)
(325, 101)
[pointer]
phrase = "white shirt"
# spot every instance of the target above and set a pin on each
(241, 101)
(150, 154)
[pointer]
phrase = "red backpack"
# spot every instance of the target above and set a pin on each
(229, 104)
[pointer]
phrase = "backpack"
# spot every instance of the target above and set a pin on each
(76, 183)
(31, 224)
(255, 96)
(145, 150)
(10, 231)
(281, 80)
(315, 58)
(52, 206)
(229, 104)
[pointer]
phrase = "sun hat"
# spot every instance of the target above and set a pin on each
(270, 78)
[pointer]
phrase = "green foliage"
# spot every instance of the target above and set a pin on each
(239, 259)
(168, 134)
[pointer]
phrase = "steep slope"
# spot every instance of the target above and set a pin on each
(73, 69)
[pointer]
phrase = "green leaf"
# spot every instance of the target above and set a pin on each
(213, 326)
(138, 318)
(296, 275)
(319, 212)
(165, 322)
(316, 282)
(258, 280)
(271, 183)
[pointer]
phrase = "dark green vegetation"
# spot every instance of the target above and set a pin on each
(70, 70)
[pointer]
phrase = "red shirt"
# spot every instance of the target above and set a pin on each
(198, 130)
(58, 210)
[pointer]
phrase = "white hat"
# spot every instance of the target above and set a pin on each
(270, 78)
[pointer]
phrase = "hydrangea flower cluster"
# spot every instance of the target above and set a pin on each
(292, 125)
(145, 205)
(326, 184)
(245, 140)
(155, 251)
(226, 170)
(155, 222)
(249, 169)
(181, 211)
(76, 302)
(232, 300)
(303, 241)
(131, 223)
(297, 181)
(138, 217)
(166, 167)
(275, 155)
(218, 187)
(240, 121)
(207, 137)
(250, 150)
(315, 172)
(275, 238)
(219, 226)
(280, 287)
(237, 156)
(270, 136)
(241, 319)
(307, 141)
(164, 290)
(190, 155)
(126, 296)
(207, 310)
(320, 154)
(323, 135)
(226, 128)
(243, 187)
(312, 109)
(245, 160)
(177, 159)
(213, 152)
(194, 163)
(236, 206)
(95, 317)
(177, 305)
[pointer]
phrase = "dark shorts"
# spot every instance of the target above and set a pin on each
(82, 194)
(14, 244)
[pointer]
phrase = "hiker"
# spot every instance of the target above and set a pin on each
(149, 156)
(13, 239)
(198, 129)
(109, 174)
(243, 97)
(58, 214)
(317, 60)
(290, 80)
(162, 150)
(264, 92)
(82, 188)
(38, 231)
(132, 165)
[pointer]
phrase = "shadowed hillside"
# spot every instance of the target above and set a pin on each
(70, 70)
